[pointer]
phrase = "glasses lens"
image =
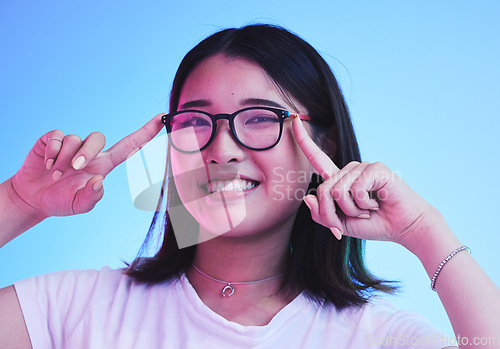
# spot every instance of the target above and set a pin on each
(190, 131)
(257, 128)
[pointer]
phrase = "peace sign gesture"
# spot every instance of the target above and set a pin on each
(62, 175)
(375, 204)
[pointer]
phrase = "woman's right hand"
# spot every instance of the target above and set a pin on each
(62, 175)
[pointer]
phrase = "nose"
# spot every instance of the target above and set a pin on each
(224, 148)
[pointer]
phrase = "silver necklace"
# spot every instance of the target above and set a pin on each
(228, 290)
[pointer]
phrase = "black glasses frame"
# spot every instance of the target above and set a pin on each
(282, 115)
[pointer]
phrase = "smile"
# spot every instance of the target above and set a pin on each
(231, 185)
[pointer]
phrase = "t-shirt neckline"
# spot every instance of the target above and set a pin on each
(280, 319)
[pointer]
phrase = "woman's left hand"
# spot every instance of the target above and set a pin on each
(375, 203)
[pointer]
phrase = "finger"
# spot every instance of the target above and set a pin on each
(320, 161)
(92, 145)
(324, 192)
(326, 209)
(369, 185)
(326, 189)
(129, 145)
(53, 142)
(344, 196)
(87, 197)
(70, 145)
(312, 203)
(363, 200)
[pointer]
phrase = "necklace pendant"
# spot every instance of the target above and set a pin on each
(228, 290)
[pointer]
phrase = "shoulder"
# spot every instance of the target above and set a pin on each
(378, 323)
(84, 279)
(380, 313)
(73, 279)
(64, 307)
(379, 317)
(74, 288)
(381, 322)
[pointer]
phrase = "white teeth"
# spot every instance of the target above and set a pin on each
(237, 185)
(232, 185)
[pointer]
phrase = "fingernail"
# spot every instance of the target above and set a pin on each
(307, 204)
(56, 175)
(97, 185)
(364, 215)
(49, 164)
(78, 163)
(336, 232)
(374, 208)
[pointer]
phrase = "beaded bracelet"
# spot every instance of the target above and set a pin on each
(435, 276)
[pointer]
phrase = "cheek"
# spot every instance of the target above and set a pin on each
(189, 171)
(295, 157)
(291, 173)
(183, 163)
(294, 182)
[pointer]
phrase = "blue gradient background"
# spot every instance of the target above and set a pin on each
(420, 77)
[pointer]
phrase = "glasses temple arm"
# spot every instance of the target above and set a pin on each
(301, 116)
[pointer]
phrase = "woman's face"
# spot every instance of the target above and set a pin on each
(226, 187)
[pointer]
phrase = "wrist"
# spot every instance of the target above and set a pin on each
(16, 215)
(431, 240)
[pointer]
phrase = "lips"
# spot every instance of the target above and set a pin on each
(237, 184)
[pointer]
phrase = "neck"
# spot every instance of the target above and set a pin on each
(244, 259)
(239, 259)
(230, 259)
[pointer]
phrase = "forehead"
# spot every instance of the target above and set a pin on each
(220, 77)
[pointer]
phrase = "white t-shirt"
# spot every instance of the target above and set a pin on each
(106, 309)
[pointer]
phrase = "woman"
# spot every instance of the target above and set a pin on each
(267, 269)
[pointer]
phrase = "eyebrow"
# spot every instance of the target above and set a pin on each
(262, 102)
(244, 102)
(195, 104)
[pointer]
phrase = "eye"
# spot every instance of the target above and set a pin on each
(261, 119)
(190, 120)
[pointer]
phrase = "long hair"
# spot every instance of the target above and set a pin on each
(327, 270)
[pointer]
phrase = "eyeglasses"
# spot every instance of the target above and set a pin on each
(256, 128)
